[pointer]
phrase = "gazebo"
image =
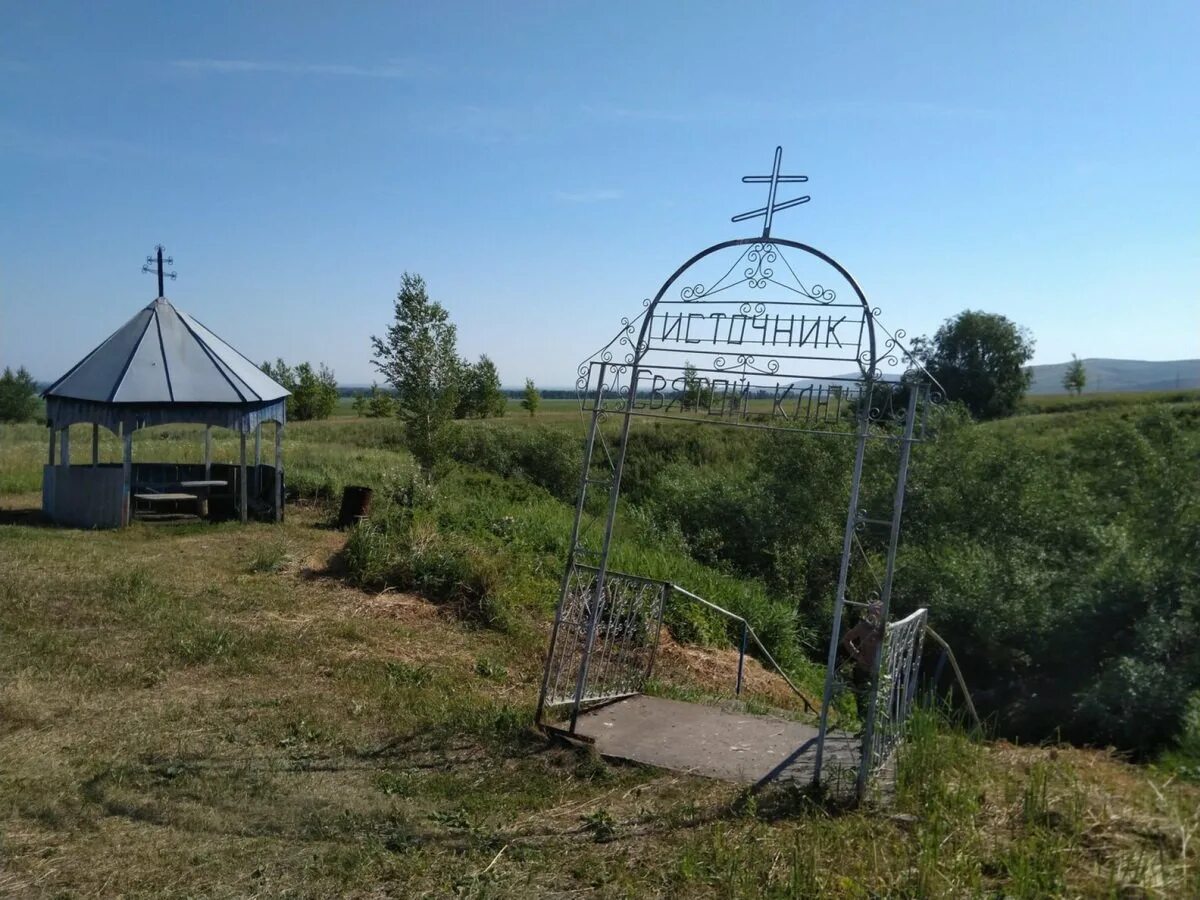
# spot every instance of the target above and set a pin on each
(162, 367)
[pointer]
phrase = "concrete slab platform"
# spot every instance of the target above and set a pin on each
(713, 742)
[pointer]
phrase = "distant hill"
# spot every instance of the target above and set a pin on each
(1121, 375)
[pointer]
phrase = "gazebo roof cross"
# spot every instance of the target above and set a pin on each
(157, 263)
(774, 179)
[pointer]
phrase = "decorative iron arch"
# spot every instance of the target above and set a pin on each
(757, 369)
(765, 375)
(869, 371)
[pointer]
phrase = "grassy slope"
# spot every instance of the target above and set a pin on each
(203, 710)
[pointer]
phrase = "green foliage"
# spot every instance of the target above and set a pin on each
(359, 404)
(480, 395)
(1184, 756)
(18, 396)
(1075, 377)
(314, 392)
(532, 398)
(414, 554)
(379, 404)
(418, 357)
(691, 387)
(1049, 556)
(549, 457)
(979, 359)
(1057, 565)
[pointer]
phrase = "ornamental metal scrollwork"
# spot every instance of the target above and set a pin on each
(744, 363)
(759, 344)
(762, 255)
(894, 340)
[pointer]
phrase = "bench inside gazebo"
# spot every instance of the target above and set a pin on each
(163, 368)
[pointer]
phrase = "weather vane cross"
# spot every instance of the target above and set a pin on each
(774, 180)
(155, 263)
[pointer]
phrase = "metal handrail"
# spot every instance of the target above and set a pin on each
(747, 631)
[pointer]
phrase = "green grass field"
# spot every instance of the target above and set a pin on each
(209, 710)
(218, 710)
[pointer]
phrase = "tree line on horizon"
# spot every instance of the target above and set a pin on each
(977, 358)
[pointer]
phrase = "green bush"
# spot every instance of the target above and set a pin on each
(413, 554)
(546, 456)
(1184, 757)
(1057, 553)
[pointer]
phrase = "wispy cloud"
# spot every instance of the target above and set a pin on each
(45, 145)
(737, 110)
(392, 69)
(597, 195)
(482, 124)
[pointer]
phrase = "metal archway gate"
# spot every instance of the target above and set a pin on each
(747, 333)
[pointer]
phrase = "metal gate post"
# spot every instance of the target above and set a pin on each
(865, 762)
(839, 600)
(566, 579)
(658, 624)
(614, 492)
(742, 658)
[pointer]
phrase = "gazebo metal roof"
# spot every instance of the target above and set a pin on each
(163, 367)
(164, 356)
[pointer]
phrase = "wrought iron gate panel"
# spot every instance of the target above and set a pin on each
(899, 666)
(627, 626)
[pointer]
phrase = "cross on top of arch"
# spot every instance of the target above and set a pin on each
(774, 180)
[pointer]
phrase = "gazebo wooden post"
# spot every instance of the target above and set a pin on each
(257, 459)
(278, 471)
(53, 437)
(207, 452)
(64, 458)
(95, 445)
(127, 475)
(242, 477)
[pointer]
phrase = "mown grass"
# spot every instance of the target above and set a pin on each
(212, 710)
(206, 711)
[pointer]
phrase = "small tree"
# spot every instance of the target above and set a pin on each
(532, 398)
(315, 395)
(691, 387)
(1075, 378)
(282, 373)
(979, 358)
(418, 357)
(18, 396)
(360, 404)
(314, 391)
(480, 394)
(380, 405)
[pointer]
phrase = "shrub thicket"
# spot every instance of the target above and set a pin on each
(1057, 553)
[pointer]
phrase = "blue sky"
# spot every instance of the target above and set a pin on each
(546, 165)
